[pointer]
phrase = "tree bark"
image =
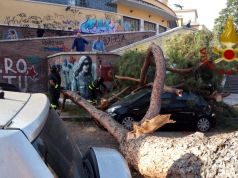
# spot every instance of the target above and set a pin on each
(169, 154)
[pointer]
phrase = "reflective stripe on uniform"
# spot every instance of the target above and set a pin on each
(53, 106)
(92, 101)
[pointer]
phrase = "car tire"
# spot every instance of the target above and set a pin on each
(203, 124)
(90, 164)
(127, 121)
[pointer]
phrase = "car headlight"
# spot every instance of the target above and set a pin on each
(112, 109)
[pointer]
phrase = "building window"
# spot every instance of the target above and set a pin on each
(131, 24)
(81, 3)
(162, 29)
(172, 24)
(65, 2)
(149, 26)
(106, 5)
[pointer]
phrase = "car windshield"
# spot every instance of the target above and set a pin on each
(135, 96)
(58, 149)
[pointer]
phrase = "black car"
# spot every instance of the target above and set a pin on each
(190, 111)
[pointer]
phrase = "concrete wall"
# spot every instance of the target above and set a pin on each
(142, 14)
(157, 39)
(23, 62)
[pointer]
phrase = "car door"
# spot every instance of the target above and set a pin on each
(183, 111)
(141, 106)
(180, 110)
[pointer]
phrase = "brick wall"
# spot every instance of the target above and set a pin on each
(23, 62)
(26, 32)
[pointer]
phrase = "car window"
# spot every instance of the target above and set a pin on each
(166, 95)
(135, 96)
(58, 149)
(188, 100)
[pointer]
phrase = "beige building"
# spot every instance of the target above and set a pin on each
(128, 15)
(186, 16)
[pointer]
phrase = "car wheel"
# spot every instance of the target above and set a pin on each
(203, 124)
(127, 122)
(90, 164)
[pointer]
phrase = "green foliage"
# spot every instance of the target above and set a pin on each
(230, 10)
(183, 51)
(130, 65)
(226, 117)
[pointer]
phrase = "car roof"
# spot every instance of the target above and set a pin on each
(11, 105)
(25, 111)
(166, 95)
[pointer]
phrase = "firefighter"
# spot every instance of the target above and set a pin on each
(54, 86)
(94, 88)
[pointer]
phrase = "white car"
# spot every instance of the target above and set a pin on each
(34, 143)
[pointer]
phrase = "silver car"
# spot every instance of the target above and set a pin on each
(34, 143)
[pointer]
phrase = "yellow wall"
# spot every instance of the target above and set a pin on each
(43, 15)
(162, 5)
(14, 12)
(139, 14)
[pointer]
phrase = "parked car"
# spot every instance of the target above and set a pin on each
(35, 143)
(190, 111)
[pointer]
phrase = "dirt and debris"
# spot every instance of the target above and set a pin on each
(88, 134)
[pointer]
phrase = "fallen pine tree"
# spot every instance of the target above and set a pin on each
(162, 154)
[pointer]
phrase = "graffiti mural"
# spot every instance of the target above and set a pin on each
(54, 45)
(74, 19)
(11, 34)
(100, 25)
(76, 74)
(18, 72)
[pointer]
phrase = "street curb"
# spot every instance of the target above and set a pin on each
(76, 118)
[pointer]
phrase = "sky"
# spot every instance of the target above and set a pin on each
(207, 10)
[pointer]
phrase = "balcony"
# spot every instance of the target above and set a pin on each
(157, 8)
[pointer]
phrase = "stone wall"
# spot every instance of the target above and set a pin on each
(23, 62)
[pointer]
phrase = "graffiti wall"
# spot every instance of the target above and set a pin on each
(16, 32)
(23, 72)
(74, 74)
(26, 14)
(24, 62)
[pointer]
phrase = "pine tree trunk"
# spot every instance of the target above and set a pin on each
(172, 154)
(164, 154)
